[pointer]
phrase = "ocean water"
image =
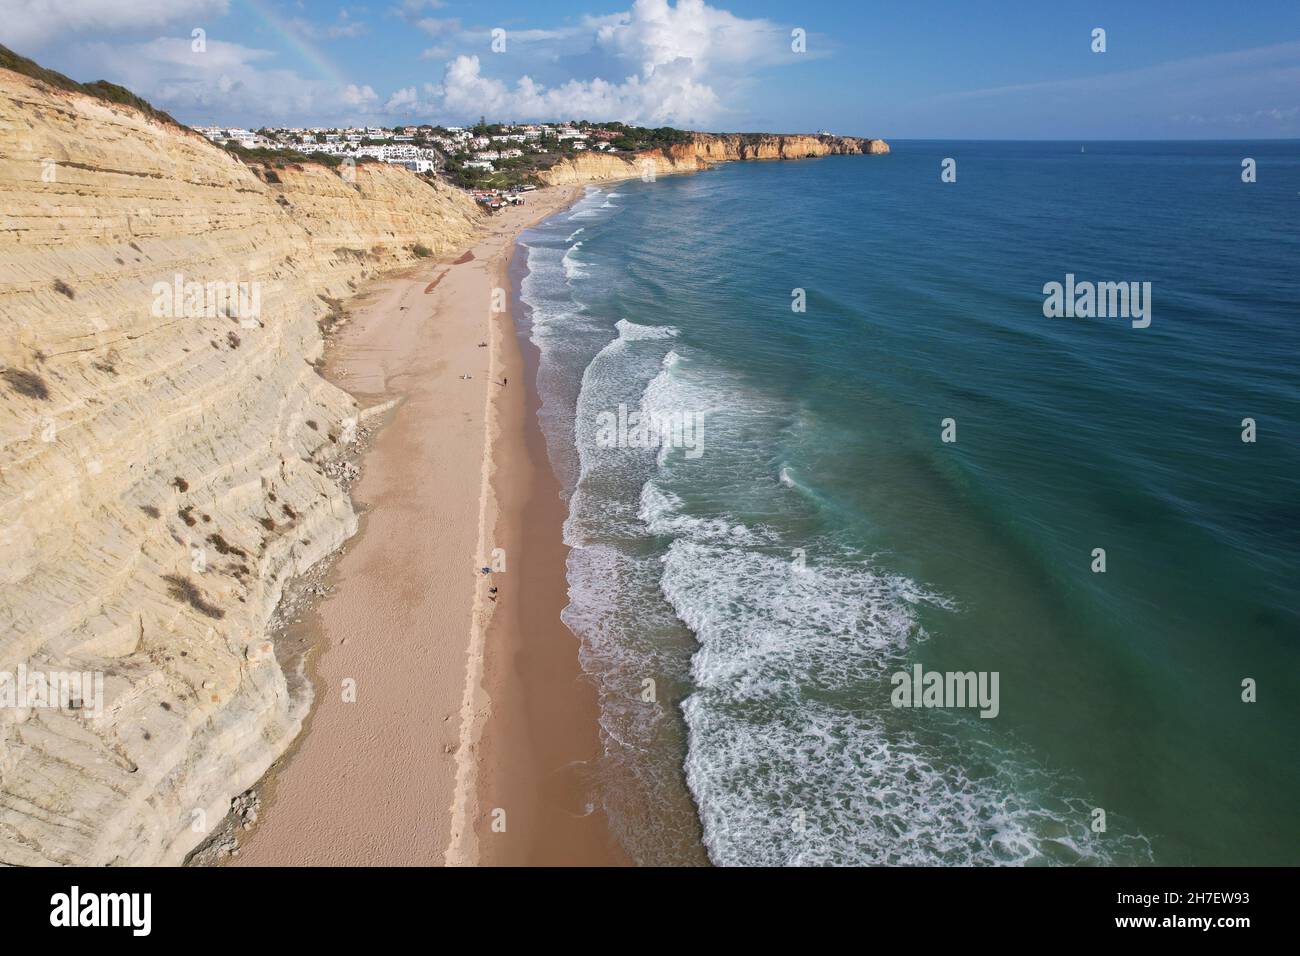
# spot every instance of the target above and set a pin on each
(743, 601)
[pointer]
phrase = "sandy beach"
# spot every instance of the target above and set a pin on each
(450, 686)
(541, 735)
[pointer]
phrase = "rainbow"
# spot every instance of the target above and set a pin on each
(264, 13)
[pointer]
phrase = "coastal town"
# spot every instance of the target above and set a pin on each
(496, 162)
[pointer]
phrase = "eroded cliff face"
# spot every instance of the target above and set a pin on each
(704, 151)
(161, 470)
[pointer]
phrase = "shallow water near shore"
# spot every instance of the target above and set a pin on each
(827, 537)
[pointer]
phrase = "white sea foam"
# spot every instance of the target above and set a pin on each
(648, 808)
(594, 206)
(764, 640)
(615, 376)
(769, 633)
(795, 756)
(566, 334)
(819, 784)
(572, 266)
(659, 510)
(631, 331)
(552, 307)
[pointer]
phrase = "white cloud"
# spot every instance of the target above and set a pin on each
(362, 96)
(682, 64)
(659, 64)
(653, 33)
(26, 24)
(408, 101)
(668, 93)
(437, 28)
(344, 27)
(226, 83)
(408, 10)
(402, 100)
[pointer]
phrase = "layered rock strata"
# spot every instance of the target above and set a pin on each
(164, 443)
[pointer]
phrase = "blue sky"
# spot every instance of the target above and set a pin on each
(907, 69)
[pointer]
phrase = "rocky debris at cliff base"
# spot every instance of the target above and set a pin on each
(223, 843)
(342, 472)
(299, 597)
(345, 468)
(245, 807)
(302, 592)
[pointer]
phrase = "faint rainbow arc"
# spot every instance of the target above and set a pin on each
(295, 41)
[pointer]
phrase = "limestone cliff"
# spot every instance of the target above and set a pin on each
(705, 150)
(161, 463)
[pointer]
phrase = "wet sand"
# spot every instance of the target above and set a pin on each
(542, 738)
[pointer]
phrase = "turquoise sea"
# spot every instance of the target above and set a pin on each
(742, 610)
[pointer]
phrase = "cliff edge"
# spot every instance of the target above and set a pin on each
(162, 456)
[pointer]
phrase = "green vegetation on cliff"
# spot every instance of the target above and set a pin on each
(100, 89)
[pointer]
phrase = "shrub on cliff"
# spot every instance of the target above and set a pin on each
(26, 383)
(100, 89)
(184, 590)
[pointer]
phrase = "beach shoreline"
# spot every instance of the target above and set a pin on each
(530, 716)
(538, 803)
(386, 769)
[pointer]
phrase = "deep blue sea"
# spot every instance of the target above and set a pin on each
(742, 602)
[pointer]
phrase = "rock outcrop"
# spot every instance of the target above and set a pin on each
(162, 457)
(703, 151)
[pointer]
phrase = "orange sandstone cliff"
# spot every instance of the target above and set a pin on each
(706, 150)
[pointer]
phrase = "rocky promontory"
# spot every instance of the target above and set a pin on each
(705, 150)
